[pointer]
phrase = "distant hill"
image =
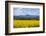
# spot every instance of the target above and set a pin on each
(26, 17)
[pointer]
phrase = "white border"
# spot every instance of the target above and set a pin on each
(16, 30)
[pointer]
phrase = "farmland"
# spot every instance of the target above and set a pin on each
(25, 23)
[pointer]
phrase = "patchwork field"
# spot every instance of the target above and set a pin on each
(25, 23)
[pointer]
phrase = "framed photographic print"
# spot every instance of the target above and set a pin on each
(24, 17)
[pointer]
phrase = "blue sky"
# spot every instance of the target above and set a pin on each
(26, 11)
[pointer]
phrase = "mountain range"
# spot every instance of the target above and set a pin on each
(22, 17)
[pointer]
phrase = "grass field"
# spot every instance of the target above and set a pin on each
(25, 23)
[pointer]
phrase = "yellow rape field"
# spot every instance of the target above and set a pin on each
(25, 23)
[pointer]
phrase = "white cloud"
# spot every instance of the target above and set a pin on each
(25, 11)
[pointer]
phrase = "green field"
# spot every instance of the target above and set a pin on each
(25, 23)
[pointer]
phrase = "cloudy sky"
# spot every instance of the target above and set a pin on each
(26, 11)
